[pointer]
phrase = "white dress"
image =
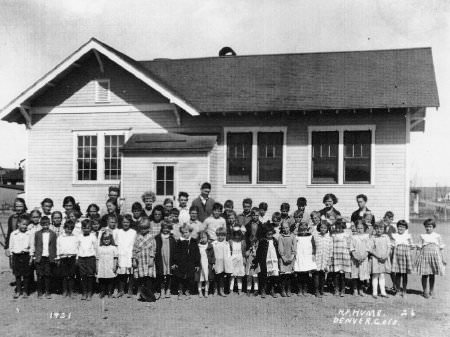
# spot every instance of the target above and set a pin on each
(272, 260)
(105, 263)
(125, 242)
(237, 258)
(222, 254)
(204, 271)
(304, 256)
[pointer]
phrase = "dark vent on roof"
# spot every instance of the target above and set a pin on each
(226, 51)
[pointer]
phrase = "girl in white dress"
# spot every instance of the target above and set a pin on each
(106, 264)
(207, 260)
(237, 247)
(222, 254)
(304, 258)
(125, 242)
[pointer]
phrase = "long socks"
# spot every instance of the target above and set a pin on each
(254, 280)
(339, 283)
(238, 281)
(378, 279)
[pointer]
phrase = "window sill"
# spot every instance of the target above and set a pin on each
(254, 185)
(341, 185)
(95, 182)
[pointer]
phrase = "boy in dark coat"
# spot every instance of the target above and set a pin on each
(186, 261)
(164, 256)
(267, 257)
(43, 253)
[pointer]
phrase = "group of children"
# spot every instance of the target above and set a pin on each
(160, 250)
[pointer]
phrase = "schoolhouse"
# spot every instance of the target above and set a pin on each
(268, 127)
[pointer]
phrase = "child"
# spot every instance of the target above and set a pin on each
(20, 208)
(214, 221)
(388, 221)
(222, 254)
(143, 260)
(148, 198)
(164, 256)
(304, 258)
(106, 264)
(252, 236)
(367, 222)
(43, 253)
(430, 260)
(112, 224)
(379, 260)
(95, 227)
(125, 241)
(263, 216)
(401, 257)
(35, 224)
(228, 207)
(287, 244)
(267, 259)
(194, 223)
(296, 223)
(46, 207)
(232, 222)
(284, 213)
(86, 256)
(359, 251)
(315, 222)
(19, 248)
(183, 198)
(112, 209)
(341, 257)
(276, 221)
(56, 223)
(323, 244)
(207, 261)
(186, 261)
(156, 218)
(237, 248)
(168, 204)
(69, 204)
(174, 221)
(138, 212)
(92, 212)
(301, 205)
(74, 216)
(66, 250)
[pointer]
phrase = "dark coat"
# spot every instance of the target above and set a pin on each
(355, 216)
(211, 261)
(38, 246)
(186, 258)
(261, 254)
(204, 211)
(259, 233)
(324, 211)
(158, 254)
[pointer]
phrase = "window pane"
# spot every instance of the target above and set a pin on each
(160, 173)
(270, 157)
(86, 158)
(160, 188)
(239, 157)
(325, 157)
(165, 184)
(357, 159)
(112, 156)
(169, 173)
(169, 187)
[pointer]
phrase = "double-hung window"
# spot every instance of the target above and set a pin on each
(341, 154)
(255, 155)
(97, 156)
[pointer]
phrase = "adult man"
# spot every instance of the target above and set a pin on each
(245, 217)
(204, 202)
(361, 199)
(183, 198)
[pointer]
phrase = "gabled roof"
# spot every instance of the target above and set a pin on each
(135, 68)
(168, 142)
(310, 81)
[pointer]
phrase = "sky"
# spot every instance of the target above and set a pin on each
(36, 35)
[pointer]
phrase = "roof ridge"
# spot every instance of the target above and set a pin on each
(165, 59)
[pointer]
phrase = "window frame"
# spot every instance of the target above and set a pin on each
(97, 88)
(254, 166)
(341, 129)
(175, 178)
(100, 156)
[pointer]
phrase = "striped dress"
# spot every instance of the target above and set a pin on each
(429, 260)
(341, 253)
(401, 256)
(324, 251)
(144, 252)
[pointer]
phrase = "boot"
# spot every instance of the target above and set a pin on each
(263, 293)
(70, 288)
(65, 292)
(83, 289)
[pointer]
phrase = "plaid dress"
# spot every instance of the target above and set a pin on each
(429, 260)
(341, 253)
(401, 256)
(324, 251)
(144, 250)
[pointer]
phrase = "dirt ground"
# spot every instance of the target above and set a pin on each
(232, 316)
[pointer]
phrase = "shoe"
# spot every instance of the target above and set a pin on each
(384, 295)
(25, 296)
(16, 295)
(89, 298)
(101, 295)
(206, 295)
(263, 294)
(248, 293)
(431, 294)
(200, 294)
(39, 296)
(239, 293)
(84, 297)
(288, 294)
(120, 294)
(283, 293)
(273, 294)
(180, 295)
(425, 294)
(375, 296)
(319, 295)
(255, 293)
(362, 294)
(48, 296)
(168, 295)
(299, 293)
(355, 292)
(341, 294)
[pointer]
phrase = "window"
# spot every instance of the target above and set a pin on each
(165, 180)
(270, 157)
(357, 156)
(341, 154)
(97, 156)
(254, 155)
(87, 158)
(239, 157)
(102, 91)
(113, 143)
